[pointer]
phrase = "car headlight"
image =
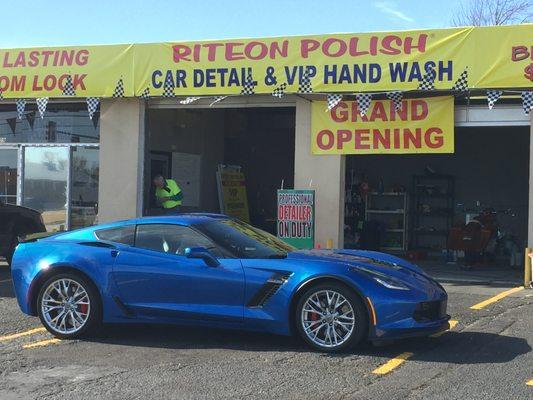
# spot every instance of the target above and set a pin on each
(382, 279)
(391, 283)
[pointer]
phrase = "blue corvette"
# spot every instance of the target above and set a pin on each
(211, 270)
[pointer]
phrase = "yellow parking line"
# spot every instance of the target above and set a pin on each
(453, 323)
(530, 382)
(41, 343)
(17, 335)
(494, 299)
(392, 364)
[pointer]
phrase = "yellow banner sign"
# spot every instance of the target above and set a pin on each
(495, 57)
(420, 126)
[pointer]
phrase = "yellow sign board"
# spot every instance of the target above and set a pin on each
(232, 192)
(420, 126)
(495, 57)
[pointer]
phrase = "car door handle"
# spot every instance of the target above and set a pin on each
(114, 253)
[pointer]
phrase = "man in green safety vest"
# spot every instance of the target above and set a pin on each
(168, 194)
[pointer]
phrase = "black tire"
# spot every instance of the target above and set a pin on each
(360, 328)
(94, 319)
(11, 250)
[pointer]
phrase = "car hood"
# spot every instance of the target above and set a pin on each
(373, 260)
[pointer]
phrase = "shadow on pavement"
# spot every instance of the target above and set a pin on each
(453, 347)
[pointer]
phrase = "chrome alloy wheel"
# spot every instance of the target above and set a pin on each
(328, 318)
(65, 306)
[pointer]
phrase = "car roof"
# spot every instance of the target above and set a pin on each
(182, 219)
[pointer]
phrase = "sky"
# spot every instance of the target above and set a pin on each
(28, 23)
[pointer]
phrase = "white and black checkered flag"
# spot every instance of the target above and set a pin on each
(1, 95)
(363, 102)
(119, 89)
(92, 105)
(428, 81)
(21, 106)
(216, 100)
(461, 84)
(396, 98)
(279, 92)
(168, 87)
(68, 87)
(189, 100)
(493, 96)
(333, 100)
(249, 86)
(145, 95)
(527, 101)
(42, 102)
(305, 84)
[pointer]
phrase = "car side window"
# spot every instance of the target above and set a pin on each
(170, 239)
(122, 234)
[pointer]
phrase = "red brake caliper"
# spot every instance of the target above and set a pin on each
(83, 308)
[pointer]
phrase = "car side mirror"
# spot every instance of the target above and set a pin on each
(202, 253)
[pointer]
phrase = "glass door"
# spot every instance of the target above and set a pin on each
(8, 175)
(45, 184)
(84, 187)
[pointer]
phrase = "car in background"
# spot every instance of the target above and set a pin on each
(211, 270)
(16, 222)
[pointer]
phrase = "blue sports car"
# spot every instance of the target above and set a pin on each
(212, 270)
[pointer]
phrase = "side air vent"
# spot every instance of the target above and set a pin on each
(269, 289)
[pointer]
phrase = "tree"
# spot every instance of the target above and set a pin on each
(493, 12)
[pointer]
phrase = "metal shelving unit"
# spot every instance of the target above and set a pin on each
(390, 208)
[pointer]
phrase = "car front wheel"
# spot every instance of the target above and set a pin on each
(330, 317)
(68, 306)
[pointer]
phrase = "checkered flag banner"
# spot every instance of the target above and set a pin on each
(145, 95)
(461, 84)
(119, 89)
(68, 87)
(1, 95)
(189, 100)
(249, 86)
(42, 102)
(168, 87)
(427, 82)
(333, 100)
(92, 105)
(21, 106)
(396, 98)
(363, 102)
(527, 101)
(493, 96)
(217, 99)
(279, 92)
(305, 84)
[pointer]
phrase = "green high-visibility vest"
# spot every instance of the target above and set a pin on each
(174, 192)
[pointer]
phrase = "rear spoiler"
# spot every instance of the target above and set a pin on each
(33, 237)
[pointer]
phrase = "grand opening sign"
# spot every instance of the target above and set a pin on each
(420, 126)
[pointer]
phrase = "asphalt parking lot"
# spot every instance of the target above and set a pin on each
(487, 354)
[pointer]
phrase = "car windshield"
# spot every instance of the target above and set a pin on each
(243, 240)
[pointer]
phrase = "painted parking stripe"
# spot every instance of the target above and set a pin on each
(5, 280)
(453, 323)
(530, 382)
(392, 364)
(21, 334)
(496, 298)
(41, 343)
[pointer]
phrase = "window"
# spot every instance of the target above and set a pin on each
(243, 240)
(170, 239)
(123, 234)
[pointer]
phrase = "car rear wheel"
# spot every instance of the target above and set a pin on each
(330, 317)
(68, 306)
